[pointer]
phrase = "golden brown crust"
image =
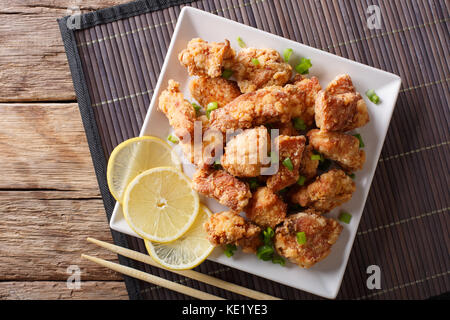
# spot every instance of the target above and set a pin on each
(328, 191)
(266, 208)
(340, 147)
(205, 59)
(229, 228)
(339, 107)
(270, 69)
(246, 153)
(267, 105)
(289, 147)
(223, 187)
(308, 167)
(179, 111)
(321, 233)
(302, 95)
(220, 90)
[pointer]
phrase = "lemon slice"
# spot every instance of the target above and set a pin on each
(186, 252)
(134, 156)
(160, 205)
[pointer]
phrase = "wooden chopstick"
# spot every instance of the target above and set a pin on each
(153, 279)
(138, 256)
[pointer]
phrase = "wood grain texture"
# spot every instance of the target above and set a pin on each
(55, 290)
(50, 203)
(44, 147)
(33, 63)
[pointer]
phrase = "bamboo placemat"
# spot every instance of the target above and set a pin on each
(115, 59)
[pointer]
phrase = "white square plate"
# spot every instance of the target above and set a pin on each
(323, 279)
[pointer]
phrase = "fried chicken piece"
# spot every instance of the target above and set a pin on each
(179, 111)
(223, 187)
(308, 167)
(302, 94)
(267, 105)
(257, 68)
(220, 90)
(205, 59)
(339, 107)
(230, 228)
(321, 233)
(328, 191)
(340, 147)
(292, 148)
(266, 208)
(246, 153)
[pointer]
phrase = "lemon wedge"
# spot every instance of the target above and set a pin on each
(134, 156)
(160, 205)
(186, 252)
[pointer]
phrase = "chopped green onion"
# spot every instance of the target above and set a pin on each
(196, 108)
(301, 180)
(230, 249)
(345, 217)
(361, 143)
(210, 107)
(299, 124)
(316, 157)
(303, 66)
(373, 96)
(287, 54)
(241, 42)
(288, 164)
(254, 184)
(227, 73)
(265, 252)
(255, 61)
(351, 175)
(283, 191)
(173, 139)
(279, 260)
(301, 237)
(324, 163)
(268, 235)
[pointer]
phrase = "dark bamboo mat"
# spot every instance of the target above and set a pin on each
(115, 61)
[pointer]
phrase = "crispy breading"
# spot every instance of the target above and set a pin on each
(222, 186)
(229, 228)
(246, 153)
(179, 111)
(267, 70)
(266, 208)
(302, 94)
(340, 147)
(220, 90)
(321, 233)
(267, 105)
(205, 59)
(308, 167)
(288, 147)
(339, 107)
(328, 191)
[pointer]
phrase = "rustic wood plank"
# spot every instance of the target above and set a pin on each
(33, 63)
(42, 233)
(44, 146)
(38, 290)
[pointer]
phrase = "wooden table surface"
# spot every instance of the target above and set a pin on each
(48, 194)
